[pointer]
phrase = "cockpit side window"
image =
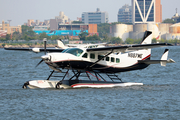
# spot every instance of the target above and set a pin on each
(64, 51)
(85, 55)
(75, 51)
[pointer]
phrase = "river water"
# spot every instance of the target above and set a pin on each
(158, 98)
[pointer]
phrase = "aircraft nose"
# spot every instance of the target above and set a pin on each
(45, 57)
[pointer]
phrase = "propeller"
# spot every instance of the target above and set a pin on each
(47, 57)
(39, 63)
(44, 40)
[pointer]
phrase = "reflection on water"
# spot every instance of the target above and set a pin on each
(158, 98)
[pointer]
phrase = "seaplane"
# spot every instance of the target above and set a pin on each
(91, 67)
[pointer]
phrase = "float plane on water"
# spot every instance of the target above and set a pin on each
(98, 62)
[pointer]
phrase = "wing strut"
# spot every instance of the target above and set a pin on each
(101, 59)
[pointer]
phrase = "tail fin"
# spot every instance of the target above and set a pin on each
(164, 57)
(61, 44)
(147, 38)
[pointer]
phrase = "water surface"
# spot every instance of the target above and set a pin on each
(158, 98)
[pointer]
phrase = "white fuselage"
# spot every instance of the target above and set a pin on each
(87, 59)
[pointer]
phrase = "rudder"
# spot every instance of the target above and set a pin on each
(147, 38)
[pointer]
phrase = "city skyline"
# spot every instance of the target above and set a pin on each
(20, 11)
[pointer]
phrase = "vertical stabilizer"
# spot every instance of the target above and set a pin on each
(61, 44)
(147, 38)
(164, 57)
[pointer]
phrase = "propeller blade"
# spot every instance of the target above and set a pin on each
(39, 62)
(36, 58)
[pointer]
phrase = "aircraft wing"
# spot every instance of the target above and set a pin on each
(127, 48)
(36, 50)
(86, 45)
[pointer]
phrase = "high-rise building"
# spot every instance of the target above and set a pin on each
(37, 22)
(30, 21)
(62, 18)
(158, 11)
(95, 17)
(146, 11)
(125, 14)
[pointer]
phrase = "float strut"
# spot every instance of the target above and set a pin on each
(50, 75)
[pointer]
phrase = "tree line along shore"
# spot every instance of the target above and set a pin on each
(103, 29)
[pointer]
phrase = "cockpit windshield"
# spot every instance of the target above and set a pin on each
(75, 51)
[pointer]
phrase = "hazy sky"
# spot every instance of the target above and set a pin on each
(19, 11)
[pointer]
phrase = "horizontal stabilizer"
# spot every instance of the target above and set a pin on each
(163, 60)
(156, 61)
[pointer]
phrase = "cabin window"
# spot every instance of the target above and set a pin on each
(85, 55)
(112, 59)
(107, 58)
(100, 57)
(92, 56)
(117, 60)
